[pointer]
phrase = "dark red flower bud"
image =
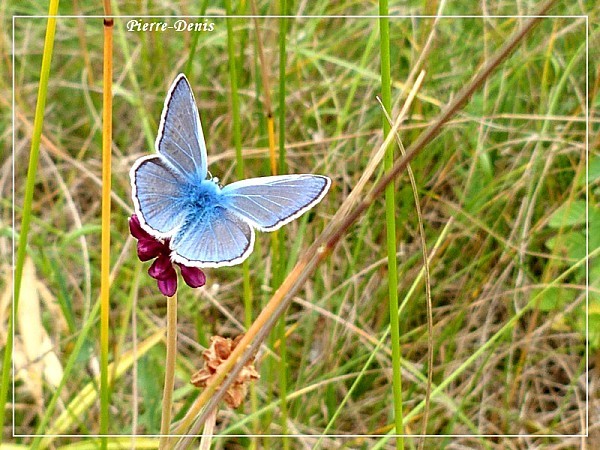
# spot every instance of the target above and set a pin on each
(193, 276)
(168, 286)
(148, 249)
(162, 269)
(136, 229)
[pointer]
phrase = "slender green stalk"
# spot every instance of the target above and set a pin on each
(279, 268)
(195, 37)
(262, 114)
(262, 130)
(280, 249)
(265, 96)
(235, 100)
(416, 282)
(390, 217)
(34, 155)
(105, 236)
(413, 184)
(167, 403)
(282, 65)
(283, 394)
(237, 141)
(237, 137)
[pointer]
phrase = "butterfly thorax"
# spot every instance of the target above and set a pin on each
(202, 196)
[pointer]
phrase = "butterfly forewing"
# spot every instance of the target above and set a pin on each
(180, 139)
(270, 202)
(157, 195)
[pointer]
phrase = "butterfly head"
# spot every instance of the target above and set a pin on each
(215, 180)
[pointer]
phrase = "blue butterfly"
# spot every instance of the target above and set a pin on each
(208, 225)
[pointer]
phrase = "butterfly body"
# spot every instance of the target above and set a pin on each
(209, 225)
(202, 195)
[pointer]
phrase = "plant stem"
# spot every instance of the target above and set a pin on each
(167, 402)
(237, 141)
(34, 154)
(280, 250)
(237, 136)
(282, 64)
(192, 53)
(235, 101)
(105, 238)
(390, 217)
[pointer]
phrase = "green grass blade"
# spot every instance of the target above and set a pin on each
(34, 155)
(237, 137)
(280, 267)
(282, 64)
(390, 218)
(237, 141)
(192, 52)
(235, 100)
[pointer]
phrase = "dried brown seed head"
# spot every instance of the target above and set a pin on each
(219, 351)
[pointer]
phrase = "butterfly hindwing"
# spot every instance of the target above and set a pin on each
(270, 202)
(212, 238)
(180, 139)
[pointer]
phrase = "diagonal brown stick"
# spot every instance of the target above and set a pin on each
(323, 246)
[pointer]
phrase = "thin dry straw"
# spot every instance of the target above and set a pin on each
(331, 236)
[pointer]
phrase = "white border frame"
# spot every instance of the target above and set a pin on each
(403, 16)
